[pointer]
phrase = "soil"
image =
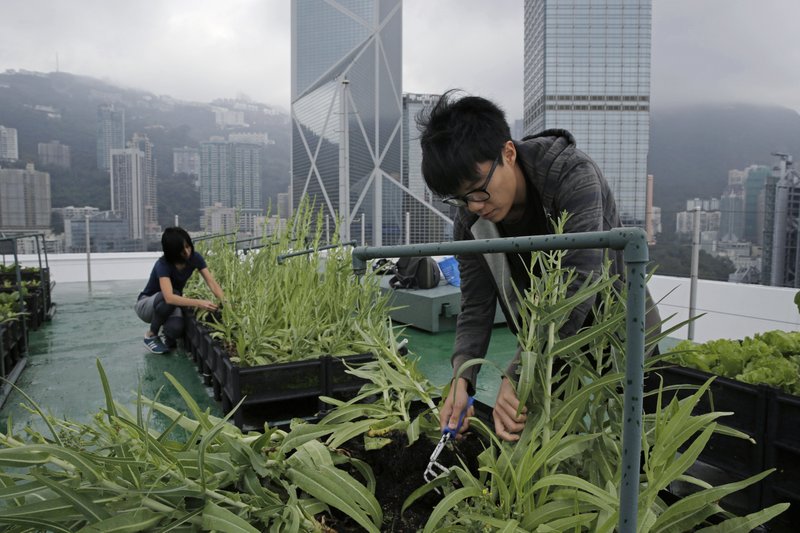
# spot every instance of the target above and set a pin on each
(398, 470)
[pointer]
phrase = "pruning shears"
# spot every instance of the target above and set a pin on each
(435, 468)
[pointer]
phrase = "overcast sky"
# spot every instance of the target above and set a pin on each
(719, 50)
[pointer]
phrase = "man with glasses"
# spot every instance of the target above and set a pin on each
(507, 188)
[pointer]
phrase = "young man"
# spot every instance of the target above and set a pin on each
(507, 188)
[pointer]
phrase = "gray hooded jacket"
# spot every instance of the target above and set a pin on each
(565, 179)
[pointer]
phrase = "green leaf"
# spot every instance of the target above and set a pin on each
(743, 524)
(126, 522)
(339, 490)
(448, 503)
(220, 519)
(82, 504)
(527, 377)
(576, 522)
(40, 524)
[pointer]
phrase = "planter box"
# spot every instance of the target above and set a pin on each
(769, 416)
(747, 402)
(273, 393)
(783, 453)
(279, 392)
(45, 290)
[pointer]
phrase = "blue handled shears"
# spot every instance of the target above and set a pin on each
(435, 468)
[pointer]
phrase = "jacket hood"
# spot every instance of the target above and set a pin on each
(543, 156)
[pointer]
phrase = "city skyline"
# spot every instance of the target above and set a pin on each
(474, 45)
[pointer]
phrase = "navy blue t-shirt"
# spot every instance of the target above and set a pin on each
(178, 278)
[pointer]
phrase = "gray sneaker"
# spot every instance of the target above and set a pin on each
(155, 345)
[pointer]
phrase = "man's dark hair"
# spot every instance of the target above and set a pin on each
(456, 134)
(172, 242)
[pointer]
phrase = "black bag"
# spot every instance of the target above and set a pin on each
(415, 273)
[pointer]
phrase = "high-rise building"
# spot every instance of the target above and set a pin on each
(754, 184)
(781, 252)
(732, 208)
(54, 153)
(186, 161)
(110, 133)
(347, 113)
(430, 219)
(25, 200)
(587, 70)
(230, 176)
(150, 198)
(133, 188)
(9, 147)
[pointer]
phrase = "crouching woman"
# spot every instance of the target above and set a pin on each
(161, 302)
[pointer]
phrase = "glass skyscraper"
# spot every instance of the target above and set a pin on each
(587, 70)
(430, 219)
(347, 111)
(110, 133)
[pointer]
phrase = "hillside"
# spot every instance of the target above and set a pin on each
(59, 106)
(692, 148)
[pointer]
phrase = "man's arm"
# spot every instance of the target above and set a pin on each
(476, 319)
(581, 195)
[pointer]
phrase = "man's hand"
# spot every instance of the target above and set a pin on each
(506, 423)
(454, 405)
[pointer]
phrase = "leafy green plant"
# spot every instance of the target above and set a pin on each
(565, 471)
(301, 308)
(771, 358)
(120, 473)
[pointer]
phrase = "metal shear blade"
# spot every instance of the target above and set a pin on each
(435, 468)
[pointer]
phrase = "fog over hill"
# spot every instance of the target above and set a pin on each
(692, 148)
(59, 106)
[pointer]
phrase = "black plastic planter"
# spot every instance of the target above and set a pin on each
(747, 402)
(783, 454)
(769, 416)
(275, 393)
(279, 392)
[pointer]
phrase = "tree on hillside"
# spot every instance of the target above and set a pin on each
(177, 195)
(675, 259)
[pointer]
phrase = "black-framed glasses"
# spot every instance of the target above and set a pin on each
(476, 195)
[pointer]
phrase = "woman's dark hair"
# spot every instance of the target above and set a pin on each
(456, 135)
(172, 242)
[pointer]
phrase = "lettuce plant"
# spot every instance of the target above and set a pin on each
(771, 358)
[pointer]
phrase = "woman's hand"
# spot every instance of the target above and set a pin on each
(453, 406)
(507, 424)
(208, 305)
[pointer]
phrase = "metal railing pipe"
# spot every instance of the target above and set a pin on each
(283, 257)
(633, 243)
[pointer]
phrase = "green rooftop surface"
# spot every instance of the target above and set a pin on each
(61, 374)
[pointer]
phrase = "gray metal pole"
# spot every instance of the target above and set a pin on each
(408, 227)
(88, 254)
(636, 257)
(176, 221)
(363, 230)
(694, 272)
(327, 229)
(634, 243)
